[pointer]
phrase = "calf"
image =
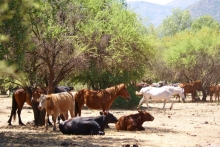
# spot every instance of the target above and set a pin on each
(133, 122)
(57, 103)
(87, 125)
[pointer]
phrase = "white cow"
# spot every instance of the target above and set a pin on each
(156, 94)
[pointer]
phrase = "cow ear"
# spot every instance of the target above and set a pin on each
(139, 111)
(48, 97)
(105, 113)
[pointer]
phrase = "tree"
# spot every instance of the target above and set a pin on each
(98, 42)
(203, 21)
(195, 54)
(177, 22)
(15, 27)
(95, 41)
(118, 47)
(54, 41)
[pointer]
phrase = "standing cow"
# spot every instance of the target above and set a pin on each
(57, 103)
(213, 90)
(133, 122)
(192, 88)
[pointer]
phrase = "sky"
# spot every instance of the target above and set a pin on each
(161, 2)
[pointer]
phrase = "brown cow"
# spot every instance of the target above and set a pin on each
(133, 122)
(192, 88)
(214, 89)
(57, 103)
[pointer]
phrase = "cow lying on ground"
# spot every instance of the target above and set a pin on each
(57, 103)
(133, 122)
(87, 125)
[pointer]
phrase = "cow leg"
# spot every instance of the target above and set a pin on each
(71, 114)
(9, 121)
(58, 118)
(141, 128)
(65, 114)
(62, 117)
(146, 101)
(13, 113)
(171, 104)
(46, 119)
(54, 122)
(141, 102)
(132, 128)
(19, 117)
(211, 98)
(193, 96)
(79, 109)
(164, 103)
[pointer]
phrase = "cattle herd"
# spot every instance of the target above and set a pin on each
(66, 101)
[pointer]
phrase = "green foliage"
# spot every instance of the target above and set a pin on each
(116, 43)
(196, 51)
(203, 21)
(15, 27)
(121, 103)
(11, 75)
(177, 22)
(4, 15)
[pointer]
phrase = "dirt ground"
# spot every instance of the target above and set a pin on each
(186, 125)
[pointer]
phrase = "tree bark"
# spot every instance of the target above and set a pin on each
(39, 116)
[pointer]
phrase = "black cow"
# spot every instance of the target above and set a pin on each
(62, 89)
(87, 125)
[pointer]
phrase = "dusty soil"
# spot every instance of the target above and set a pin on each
(188, 124)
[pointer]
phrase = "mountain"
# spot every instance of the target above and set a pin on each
(181, 4)
(205, 7)
(153, 13)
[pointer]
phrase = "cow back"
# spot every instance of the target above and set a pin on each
(133, 121)
(64, 100)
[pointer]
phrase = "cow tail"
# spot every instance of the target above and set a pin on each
(76, 108)
(14, 106)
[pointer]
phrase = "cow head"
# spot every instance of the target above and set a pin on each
(42, 102)
(36, 93)
(122, 91)
(45, 101)
(145, 116)
(181, 93)
(110, 118)
(198, 85)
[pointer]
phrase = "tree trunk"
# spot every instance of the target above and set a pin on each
(204, 95)
(39, 116)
